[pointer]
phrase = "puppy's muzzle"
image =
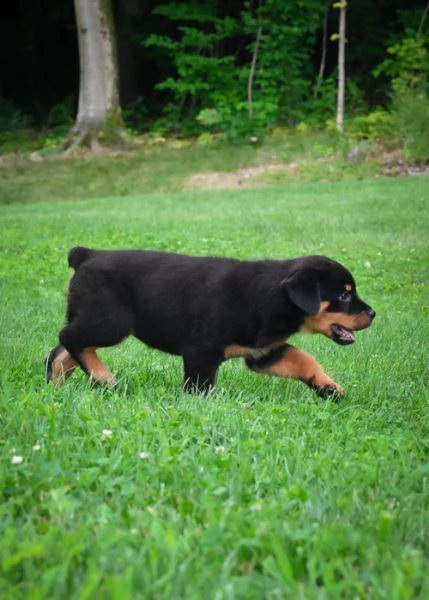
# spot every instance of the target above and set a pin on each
(344, 336)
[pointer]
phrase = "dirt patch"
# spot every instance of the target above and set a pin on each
(391, 164)
(242, 178)
(394, 164)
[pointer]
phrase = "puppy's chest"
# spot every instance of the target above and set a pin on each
(256, 353)
(263, 337)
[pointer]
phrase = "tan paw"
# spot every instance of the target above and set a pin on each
(325, 387)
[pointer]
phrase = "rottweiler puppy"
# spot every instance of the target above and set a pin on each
(206, 310)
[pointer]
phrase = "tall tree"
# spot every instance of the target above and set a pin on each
(341, 65)
(99, 115)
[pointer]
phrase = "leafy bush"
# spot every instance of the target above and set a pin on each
(410, 117)
(408, 67)
(135, 114)
(12, 117)
(62, 113)
(321, 107)
(407, 64)
(377, 125)
(208, 78)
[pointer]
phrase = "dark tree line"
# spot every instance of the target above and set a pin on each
(206, 63)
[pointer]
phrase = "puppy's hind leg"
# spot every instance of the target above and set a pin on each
(85, 334)
(59, 365)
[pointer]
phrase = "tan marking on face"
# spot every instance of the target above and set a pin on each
(63, 366)
(96, 369)
(348, 287)
(323, 321)
(297, 364)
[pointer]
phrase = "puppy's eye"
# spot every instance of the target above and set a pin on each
(345, 297)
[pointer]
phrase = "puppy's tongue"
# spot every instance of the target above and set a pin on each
(345, 335)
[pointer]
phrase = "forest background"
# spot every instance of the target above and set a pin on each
(238, 70)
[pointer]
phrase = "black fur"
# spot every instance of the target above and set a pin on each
(194, 307)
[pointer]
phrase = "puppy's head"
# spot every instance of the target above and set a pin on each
(326, 292)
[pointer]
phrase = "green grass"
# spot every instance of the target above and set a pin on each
(258, 491)
(168, 167)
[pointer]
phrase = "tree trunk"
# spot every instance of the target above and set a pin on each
(323, 54)
(99, 116)
(423, 19)
(253, 65)
(341, 67)
(252, 72)
(324, 44)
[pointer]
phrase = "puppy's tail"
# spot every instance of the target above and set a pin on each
(78, 255)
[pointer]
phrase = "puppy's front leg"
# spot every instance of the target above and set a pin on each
(288, 361)
(200, 370)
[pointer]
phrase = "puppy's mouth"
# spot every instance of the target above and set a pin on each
(341, 335)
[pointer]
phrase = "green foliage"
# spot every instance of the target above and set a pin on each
(12, 117)
(355, 101)
(200, 53)
(408, 64)
(378, 125)
(207, 139)
(209, 88)
(62, 113)
(22, 142)
(53, 139)
(208, 79)
(208, 117)
(135, 114)
(284, 74)
(202, 75)
(410, 116)
(321, 107)
(408, 68)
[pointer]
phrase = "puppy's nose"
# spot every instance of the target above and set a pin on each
(371, 313)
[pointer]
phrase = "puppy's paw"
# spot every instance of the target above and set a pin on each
(103, 377)
(326, 388)
(330, 392)
(47, 362)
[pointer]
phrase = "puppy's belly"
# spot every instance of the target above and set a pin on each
(159, 338)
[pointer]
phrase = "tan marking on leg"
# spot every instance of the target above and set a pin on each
(63, 366)
(96, 369)
(297, 364)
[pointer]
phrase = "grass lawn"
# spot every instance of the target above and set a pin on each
(260, 490)
(174, 165)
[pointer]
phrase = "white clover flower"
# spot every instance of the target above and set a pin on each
(144, 455)
(220, 449)
(17, 460)
(37, 447)
(106, 433)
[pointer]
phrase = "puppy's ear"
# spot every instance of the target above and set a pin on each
(303, 290)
